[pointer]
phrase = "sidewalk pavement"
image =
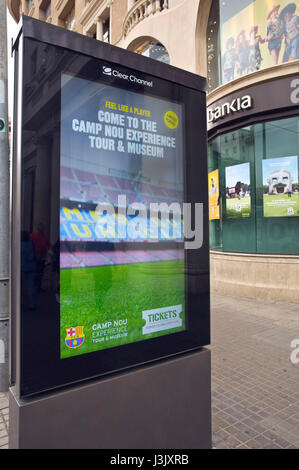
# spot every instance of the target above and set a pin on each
(3, 421)
(255, 392)
(255, 386)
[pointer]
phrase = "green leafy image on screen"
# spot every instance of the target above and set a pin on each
(121, 264)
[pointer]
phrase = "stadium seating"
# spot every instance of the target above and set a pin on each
(103, 258)
(70, 190)
(67, 261)
(84, 186)
(92, 258)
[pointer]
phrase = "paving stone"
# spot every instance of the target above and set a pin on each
(255, 383)
(3, 403)
(3, 441)
(253, 444)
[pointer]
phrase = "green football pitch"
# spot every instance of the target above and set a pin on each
(244, 206)
(281, 205)
(90, 296)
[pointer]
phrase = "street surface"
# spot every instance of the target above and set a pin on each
(255, 386)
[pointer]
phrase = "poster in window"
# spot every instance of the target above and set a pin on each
(238, 200)
(256, 34)
(280, 187)
(213, 177)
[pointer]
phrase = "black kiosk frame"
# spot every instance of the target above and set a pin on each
(43, 53)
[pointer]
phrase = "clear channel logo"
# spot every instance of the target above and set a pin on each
(131, 78)
(107, 70)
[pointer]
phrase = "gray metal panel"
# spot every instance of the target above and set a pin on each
(162, 406)
(15, 259)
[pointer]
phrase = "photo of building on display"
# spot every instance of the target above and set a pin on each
(238, 202)
(121, 261)
(281, 188)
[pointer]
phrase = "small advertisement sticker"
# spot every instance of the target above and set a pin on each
(213, 177)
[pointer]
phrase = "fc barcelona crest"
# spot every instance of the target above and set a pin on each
(74, 337)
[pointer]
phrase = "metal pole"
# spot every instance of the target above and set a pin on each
(4, 203)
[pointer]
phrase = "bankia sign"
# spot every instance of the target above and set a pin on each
(264, 97)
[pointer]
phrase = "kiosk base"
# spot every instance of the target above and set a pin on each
(165, 405)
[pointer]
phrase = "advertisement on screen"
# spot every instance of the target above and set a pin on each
(213, 178)
(256, 34)
(281, 188)
(238, 200)
(121, 159)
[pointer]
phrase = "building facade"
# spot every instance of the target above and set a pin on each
(253, 129)
(249, 52)
(149, 27)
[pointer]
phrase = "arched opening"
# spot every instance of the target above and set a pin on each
(150, 47)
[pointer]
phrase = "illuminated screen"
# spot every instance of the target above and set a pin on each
(121, 226)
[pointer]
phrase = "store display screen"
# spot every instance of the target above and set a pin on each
(121, 251)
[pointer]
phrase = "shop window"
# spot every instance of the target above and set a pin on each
(48, 11)
(258, 189)
(106, 30)
(30, 5)
(45, 8)
(243, 37)
(67, 16)
(70, 20)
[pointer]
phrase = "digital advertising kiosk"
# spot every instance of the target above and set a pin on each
(110, 248)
